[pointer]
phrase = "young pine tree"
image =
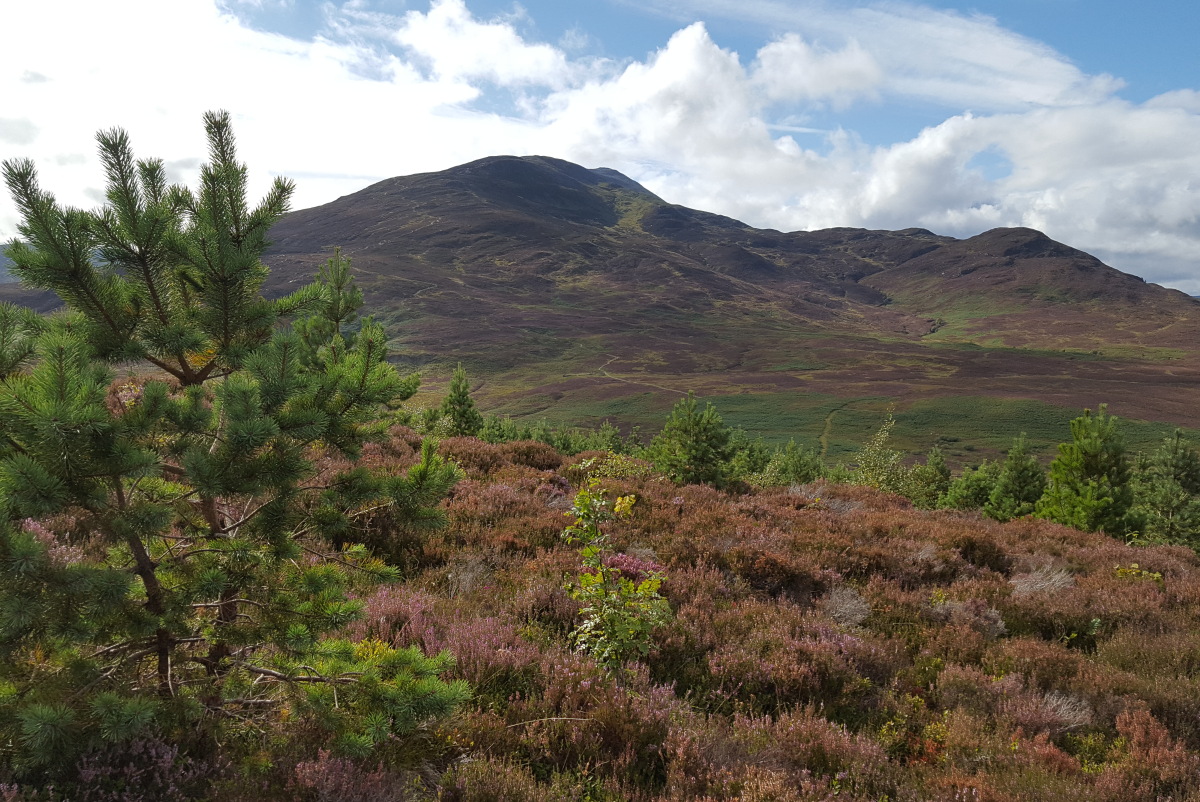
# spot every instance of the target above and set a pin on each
(971, 489)
(165, 560)
(1021, 483)
(1089, 484)
(1166, 490)
(694, 446)
(750, 456)
(929, 482)
(332, 327)
(459, 408)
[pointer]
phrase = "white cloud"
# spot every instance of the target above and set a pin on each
(934, 55)
(259, 4)
(690, 99)
(297, 106)
(17, 132)
(377, 95)
(458, 47)
(967, 61)
(790, 69)
(1185, 99)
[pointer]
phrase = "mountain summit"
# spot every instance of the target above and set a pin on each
(497, 228)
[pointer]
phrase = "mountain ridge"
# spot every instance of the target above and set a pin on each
(552, 216)
(577, 293)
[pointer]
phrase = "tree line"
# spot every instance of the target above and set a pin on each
(1093, 483)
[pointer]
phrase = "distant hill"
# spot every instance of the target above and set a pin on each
(578, 295)
(10, 290)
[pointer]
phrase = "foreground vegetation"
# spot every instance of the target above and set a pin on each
(823, 641)
(250, 574)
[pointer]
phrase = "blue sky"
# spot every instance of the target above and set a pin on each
(1077, 117)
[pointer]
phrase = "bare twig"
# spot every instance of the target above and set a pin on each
(552, 718)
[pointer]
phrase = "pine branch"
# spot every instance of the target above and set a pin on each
(348, 678)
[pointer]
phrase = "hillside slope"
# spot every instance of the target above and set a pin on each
(579, 294)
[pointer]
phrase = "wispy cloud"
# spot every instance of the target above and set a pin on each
(936, 55)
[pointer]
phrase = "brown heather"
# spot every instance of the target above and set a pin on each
(827, 642)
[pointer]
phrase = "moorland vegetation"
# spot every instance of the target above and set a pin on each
(236, 565)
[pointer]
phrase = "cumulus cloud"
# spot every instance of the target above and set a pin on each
(690, 99)
(459, 46)
(375, 95)
(298, 106)
(790, 69)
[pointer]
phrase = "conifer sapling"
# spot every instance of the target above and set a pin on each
(459, 407)
(165, 555)
(694, 446)
(1089, 483)
(1020, 484)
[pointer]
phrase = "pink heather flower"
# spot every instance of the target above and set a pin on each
(59, 554)
(632, 568)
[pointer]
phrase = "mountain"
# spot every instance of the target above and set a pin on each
(578, 295)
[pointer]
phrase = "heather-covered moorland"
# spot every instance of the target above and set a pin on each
(241, 568)
(824, 641)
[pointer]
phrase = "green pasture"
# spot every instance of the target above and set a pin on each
(968, 429)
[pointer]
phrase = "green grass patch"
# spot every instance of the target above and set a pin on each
(968, 429)
(645, 410)
(971, 428)
(798, 366)
(836, 426)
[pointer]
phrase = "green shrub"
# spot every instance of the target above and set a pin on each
(694, 446)
(1089, 484)
(790, 465)
(971, 489)
(620, 608)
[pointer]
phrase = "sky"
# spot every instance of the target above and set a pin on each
(1080, 118)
